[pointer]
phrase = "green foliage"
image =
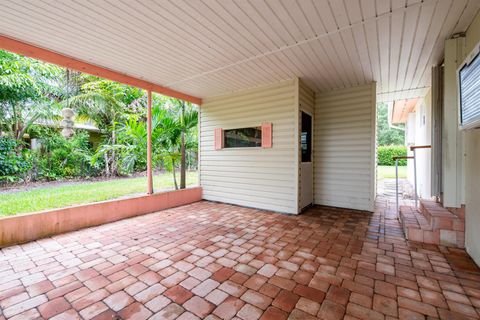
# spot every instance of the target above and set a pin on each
(65, 158)
(32, 93)
(107, 104)
(130, 149)
(13, 163)
(29, 91)
(386, 153)
(387, 136)
(167, 124)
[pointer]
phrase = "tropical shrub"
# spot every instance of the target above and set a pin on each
(65, 158)
(29, 92)
(130, 147)
(169, 123)
(107, 104)
(386, 153)
(13, 162)
(32, 95)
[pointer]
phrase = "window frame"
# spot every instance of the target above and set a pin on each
(224, 138)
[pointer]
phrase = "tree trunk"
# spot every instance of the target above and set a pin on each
(174, 176)
(107, 171)
(15, 122)
(182, 151)
(114, 163)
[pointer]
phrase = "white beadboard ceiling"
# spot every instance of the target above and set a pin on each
(210, 47)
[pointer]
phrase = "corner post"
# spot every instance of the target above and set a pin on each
(415, 176)
(396, 186)
(149, 143)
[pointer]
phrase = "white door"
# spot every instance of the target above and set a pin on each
(306, 164)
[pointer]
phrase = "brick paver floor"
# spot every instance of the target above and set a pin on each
(211, 260)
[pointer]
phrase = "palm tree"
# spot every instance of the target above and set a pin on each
(106, 103)
(173, 135)
(186, 119)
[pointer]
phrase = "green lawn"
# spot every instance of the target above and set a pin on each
(388, 172)
(58, 196)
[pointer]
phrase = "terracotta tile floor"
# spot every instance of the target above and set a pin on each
(210, 260)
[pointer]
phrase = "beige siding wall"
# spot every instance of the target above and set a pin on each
(306, 98)
(344, 148)
(254, 177)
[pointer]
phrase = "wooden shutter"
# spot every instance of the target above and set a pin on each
(266, 135)
(218, 136)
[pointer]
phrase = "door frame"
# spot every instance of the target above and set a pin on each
(303, 204)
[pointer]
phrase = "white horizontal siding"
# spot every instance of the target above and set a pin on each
(254, 177)
(344, 148)
(306, 98)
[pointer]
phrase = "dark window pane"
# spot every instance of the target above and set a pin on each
(243, 137)
(306, 137)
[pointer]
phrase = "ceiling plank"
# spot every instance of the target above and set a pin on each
(424, 22)
(31, 51)
(220, 46)
(396, 33)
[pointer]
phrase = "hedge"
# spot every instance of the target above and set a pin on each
(386, 153)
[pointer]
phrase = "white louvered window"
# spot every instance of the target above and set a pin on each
(469, 79)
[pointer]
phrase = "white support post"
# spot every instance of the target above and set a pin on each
(396, 185)
(415, 176)
(149, 143)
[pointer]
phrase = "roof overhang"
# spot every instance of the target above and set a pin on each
(401, 109)
(198, 49)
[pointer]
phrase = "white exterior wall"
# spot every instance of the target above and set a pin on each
(423, 136)
(452, 139)
(344, 144)
(253, 177)
(410, 141)
(472, 166)
(419, 126)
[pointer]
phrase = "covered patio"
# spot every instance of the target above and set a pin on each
(219, 261)
(286, 223)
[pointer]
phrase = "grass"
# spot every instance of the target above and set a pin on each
(58, 196)
(388, 172)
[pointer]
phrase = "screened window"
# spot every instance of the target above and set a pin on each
(243, 137)
(470, 92)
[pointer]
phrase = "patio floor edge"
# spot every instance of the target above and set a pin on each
(33, 226)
